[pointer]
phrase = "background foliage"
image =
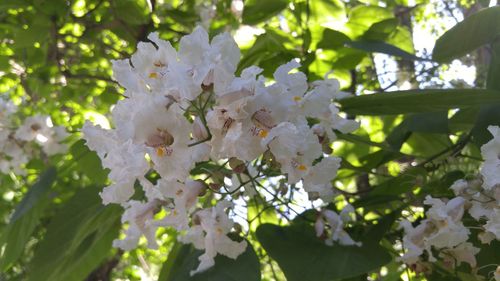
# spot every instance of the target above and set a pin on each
(415, 141)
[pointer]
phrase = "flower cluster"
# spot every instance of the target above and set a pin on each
(187, 107)
(443, 230)
(16, 142)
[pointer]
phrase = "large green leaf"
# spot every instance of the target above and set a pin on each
(25, 218)
(413, 101)
(492, 82)
(184, 258)
(405, 182)
(302, 256)
(36, 192)
(333, 39)
(78, 238)
(88, 162)
(382, 47)
(476, 30)
(256, 11)
(362, 17)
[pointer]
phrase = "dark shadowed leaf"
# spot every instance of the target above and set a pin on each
(382, 47)
(413, 101)
(184, 258)
(302, 256)
(25, 218)
(78, 238)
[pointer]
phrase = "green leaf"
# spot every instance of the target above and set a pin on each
(268, 47)
(413, 101)
(476, 30)
(258, 214)
(88, 162)
(403, 183)
(333, 39)
(38, 31)
(184, 258)
(257, 11)
(302, 256)
(78, 238)
(492, 81)
(362, 17)
(384, 48)
(381, 30)
(132, 11)
(36, 192)
(488, 115)
(25, 219)
(384, 224)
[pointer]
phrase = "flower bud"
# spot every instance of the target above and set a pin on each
(237, 228)
(237, 165)
(313, 196)
(214, 186)
(199, 130)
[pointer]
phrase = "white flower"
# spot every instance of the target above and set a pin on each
(138, 215)
(32, 127)
(318, 178)
(214, 224)
(292, 85)
(490, 152)
(337, 232)
(446, 217)
(493, 223)
(126, 161)
(413, 241)
(496, 274)
(52, 144)
(459, 186)
(465, 252)
(295, 148)
(7, 108)
(213, 63)
(185, 197)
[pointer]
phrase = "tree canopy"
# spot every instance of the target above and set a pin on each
(249, 140)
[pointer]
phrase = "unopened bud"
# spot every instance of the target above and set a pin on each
(270, 160)
(237, 165)
(237, 228)
(199, 130)
(195, 219)
(198, 185)
(283, 188)
(214, 186)
(313, 195)
(325, 146)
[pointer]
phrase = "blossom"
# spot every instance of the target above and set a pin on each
(490, 152)
(210, 234)
(295, 148)
(138, 214)
(33, 127)
(337, 232)
(211, 63)
(318, 178)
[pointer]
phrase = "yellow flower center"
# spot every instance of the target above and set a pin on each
(263, 133)
(160, 151)
(301, 167)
